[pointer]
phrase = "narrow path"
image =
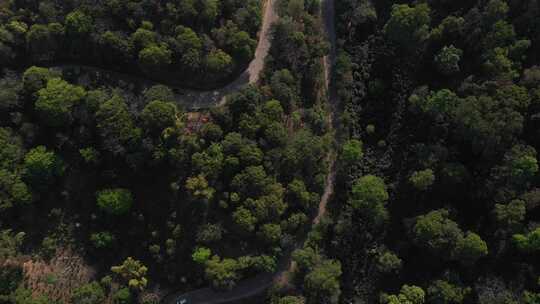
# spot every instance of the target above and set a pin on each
(328, 14)
(260, 283)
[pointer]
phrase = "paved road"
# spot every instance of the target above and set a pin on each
(257, 285)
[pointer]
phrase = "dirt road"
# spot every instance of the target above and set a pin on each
(194, 100)
(259, 284)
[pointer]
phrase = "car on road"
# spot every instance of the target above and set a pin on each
(181, 301)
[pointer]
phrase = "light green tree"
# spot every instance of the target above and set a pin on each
(423, 179)
(42, 167)
(352, 151)
(55, 102)
(133, 272)
(116, 201)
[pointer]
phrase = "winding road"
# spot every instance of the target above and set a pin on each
(191, 99)
(194, 99)
(259, 284)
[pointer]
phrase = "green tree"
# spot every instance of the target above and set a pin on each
(154, 57)
(443, 292)
(352, 151)
(436, 232)
(498, 65)
(529, 242)
(78, 24)
(43, 41)
(243, 47)
(187, 39)
(198, 187)
(90, 293)
(219, 62)
(408, 26)
(11, 275)
(369, 189)
(470, 248)
(250, 154)
(133, 272)
(370, 196)
(11, 150)
(388, 262)
(306, 258)
(209, 10)
(423, 179)
(201, 255)
(115, 47)
(116, 126)
(209, 162)
(276, 134)
(188, 44)
(114, 201)
(222, 274)
(251, 181)
(90, 155)
(322, 282)
(23, 295)
(143, 38)
(298, 193)
(10, 243)
(442, 102)
(212, 132)
(122, 296)
(510, 215)
(36, 78)
(56, 100)
(244, 219)
(447, 60)
(270, 233)
(14, 190)
(210, 233)
(102, 240)
(159, 92)
(409, 294)
(158, 115)
(42, 167)
(290, 300)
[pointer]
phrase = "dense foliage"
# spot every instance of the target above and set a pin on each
(440, 103)
(194, 42)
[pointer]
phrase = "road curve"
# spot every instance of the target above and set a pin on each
(257, 285)
(195, 99)
(191, 99)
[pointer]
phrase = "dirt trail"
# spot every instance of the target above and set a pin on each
(328, 14)
(195, 100)
(262, 282)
